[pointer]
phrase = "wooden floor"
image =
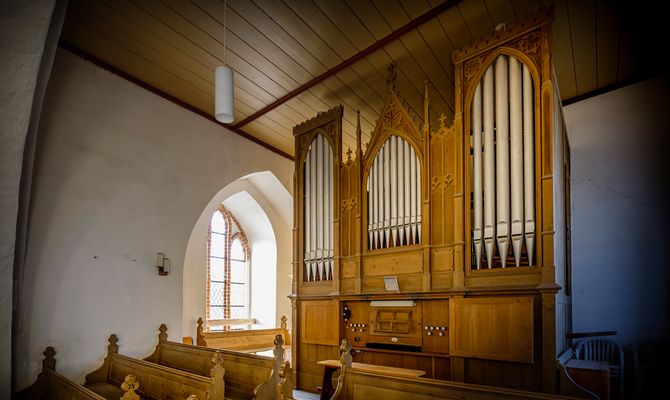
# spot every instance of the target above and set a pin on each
(301, 395)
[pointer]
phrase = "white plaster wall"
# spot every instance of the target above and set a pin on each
(619, 205)
(120, 175)
(23, 33)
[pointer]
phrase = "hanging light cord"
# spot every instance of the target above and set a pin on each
(225, 28)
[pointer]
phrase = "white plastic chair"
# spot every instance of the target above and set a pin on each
(603, 350)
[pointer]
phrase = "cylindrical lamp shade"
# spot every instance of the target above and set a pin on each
(223, 94)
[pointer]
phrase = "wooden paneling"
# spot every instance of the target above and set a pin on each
(393, 264)
(583, 34)
(309, 375)
(435, 318)
(503, 374)
(357, 328)
(497, 328)
(563, 55)
(320, 322)
(608, 26)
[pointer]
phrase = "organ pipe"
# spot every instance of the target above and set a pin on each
(502, 157)
(516, 157)
(319, 206)
(528, 164)
(308, 216)
(414, 197)
(419, 201)
(477, 173)
(407, 193)
(329, 205)
(393, 166)
(489, 169)
(313, 154)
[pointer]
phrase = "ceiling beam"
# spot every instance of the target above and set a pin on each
(413, 24)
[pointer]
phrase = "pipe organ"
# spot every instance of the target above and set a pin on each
(458, 217)
(393, 191)
(503, 206)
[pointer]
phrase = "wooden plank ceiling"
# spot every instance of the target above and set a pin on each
(276, 47)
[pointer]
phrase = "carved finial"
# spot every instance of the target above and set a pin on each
(162, 336)
(129, 385)
(345, 350)
(285, 385)
(392, 75)
(284, 322)
(113, 348)
(349, 154)
(199, 334)
(279, 341)
(49, 361)
(217, 373)
(442, 118)
(426, 109)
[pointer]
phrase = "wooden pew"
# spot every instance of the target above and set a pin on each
(247, 375)
(248, 340)
(360, 384)
(51, 385)
(157, 381)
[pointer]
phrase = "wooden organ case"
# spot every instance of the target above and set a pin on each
(462, 215)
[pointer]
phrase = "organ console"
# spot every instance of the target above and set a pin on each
(462, 214)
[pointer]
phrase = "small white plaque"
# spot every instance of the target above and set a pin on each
(391, 283)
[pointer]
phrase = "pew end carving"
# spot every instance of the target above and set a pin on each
(120, 376)
(281, 378)
(246, 375)
(50, 385)
(129, 385)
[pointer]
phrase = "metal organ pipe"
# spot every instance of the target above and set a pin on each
(393, 166)
(516, 157)
(502, 158)
(419, 201)
(329, 204)
(489, 169)
(406, 193)
(394, 211)
(308, 217)
(315, 169)
(415, 196)
(528, 164)
(503, 106)
(319, 205)
(477, 230)
(400, 156)
(372, 217)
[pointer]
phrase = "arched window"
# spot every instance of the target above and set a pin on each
(227, 268)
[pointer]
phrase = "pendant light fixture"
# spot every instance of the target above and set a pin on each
(223, 78)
